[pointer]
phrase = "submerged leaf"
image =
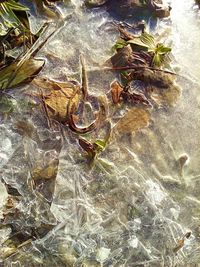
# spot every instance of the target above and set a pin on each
(44, 178)
(58, 98)
(48, 172)
(18, 72)
(100, 144)
(134, 120)
(116, 90)
(166, 97)
(181, 242)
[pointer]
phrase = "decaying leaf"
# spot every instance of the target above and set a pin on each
(48, 172)
(44, 178)
(88, 148)
(25, 128)
(56, 96)
(92, 149)
(135, 98)
(50, 84)
(181, 242)
(134, 119)
(116, 90)
(57, 105)
(18, 72)
(124, 57)
(166, 97)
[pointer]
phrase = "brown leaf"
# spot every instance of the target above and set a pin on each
(135, 99)
(134, 120)
(180, 244)
(49, 84)
(166, 97)
(48, 172)
(57, 95)
(124, 57)
(86, 145)
(116, 90)
(44, 179)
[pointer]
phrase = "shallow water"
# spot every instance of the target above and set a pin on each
(133, 206)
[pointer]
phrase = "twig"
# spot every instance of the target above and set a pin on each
(84, 78)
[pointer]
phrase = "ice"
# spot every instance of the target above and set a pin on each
(134, 205)
(3, 198)
(6, 147)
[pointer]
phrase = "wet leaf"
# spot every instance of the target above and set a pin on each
(48, 172)
(160, 53)
(25, 128)
(58, 97)
(181, 242)
(124, 57)
(119, 44)
(138, 45)
(88, 148)
(116, 90)
(50, 84)
(100, 144)
(86, 145)
(166, 97)
(135, 99)
(8, 17)
(134, 120)
(44, 10)
(6, 105)
(44, 179)
(17, 72)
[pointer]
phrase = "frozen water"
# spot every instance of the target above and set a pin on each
(136, 203)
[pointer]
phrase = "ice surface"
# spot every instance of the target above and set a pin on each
(137, 202)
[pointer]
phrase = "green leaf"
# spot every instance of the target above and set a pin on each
(18, 72)
(161, 49)
(144, 42)
(147, 39)
(8, 18)
(16, 6)
(156, 60)
(119, 44)
(138, 45)
(100, 144)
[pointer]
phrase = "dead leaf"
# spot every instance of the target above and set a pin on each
(124, 57)
(166, 97)
(50, 84)
(180, 244)
(57, 96)
(18, 72)
(135, 99)
(116, 90)
(134, 120)
(48, 172)
(44, 179)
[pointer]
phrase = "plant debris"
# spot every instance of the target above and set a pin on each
(134, 120)
(19, 72)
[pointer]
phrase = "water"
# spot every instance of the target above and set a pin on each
(135, 204)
